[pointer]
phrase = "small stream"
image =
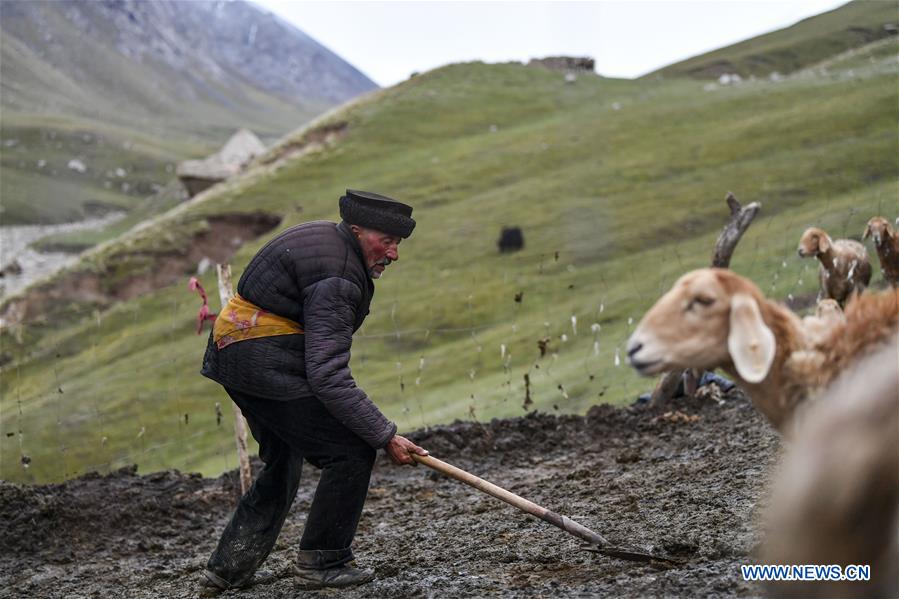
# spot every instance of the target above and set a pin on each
(14, 248)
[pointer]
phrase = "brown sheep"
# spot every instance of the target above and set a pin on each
(715, 318)
(835, 499)
(886, 242)
(844, 269)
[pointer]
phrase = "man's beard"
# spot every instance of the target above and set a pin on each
(385, 262)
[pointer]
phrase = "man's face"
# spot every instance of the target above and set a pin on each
(379, 249)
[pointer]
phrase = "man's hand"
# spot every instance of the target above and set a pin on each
(399, 448)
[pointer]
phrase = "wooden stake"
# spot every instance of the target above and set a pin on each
(740, 219)
(226, 291)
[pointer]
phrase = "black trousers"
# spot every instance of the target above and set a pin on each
(289, 432)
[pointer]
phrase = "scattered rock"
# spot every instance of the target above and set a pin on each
(729, 79)
(13, 268)
(203, 265)
(77, 165)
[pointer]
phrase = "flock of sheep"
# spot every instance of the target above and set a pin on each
(845, 268)
(829, 382)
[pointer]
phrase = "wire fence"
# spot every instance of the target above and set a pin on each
(104, 396)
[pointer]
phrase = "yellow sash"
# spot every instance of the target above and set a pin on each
(241, 320)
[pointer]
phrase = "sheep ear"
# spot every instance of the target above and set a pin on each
(823, 243)
(750, 342)
(867, 232)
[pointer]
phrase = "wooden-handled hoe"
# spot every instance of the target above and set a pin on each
(596, 543)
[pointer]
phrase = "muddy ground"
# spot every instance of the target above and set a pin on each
(686, 483)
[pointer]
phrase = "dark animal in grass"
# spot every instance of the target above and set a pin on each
(511, 239)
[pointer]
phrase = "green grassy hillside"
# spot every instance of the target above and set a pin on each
(618, 186)
(123, 163)
(130, 90)
(788, 50)
(122, 166)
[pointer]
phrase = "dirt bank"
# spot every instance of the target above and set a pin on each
(21, 265)
(687, 484)
(141, 272)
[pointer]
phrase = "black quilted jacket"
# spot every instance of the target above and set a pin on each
(313, 274)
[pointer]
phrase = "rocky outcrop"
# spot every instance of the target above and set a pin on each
(564, 63)
(198, 175)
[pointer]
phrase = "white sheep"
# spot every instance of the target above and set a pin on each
(835, 499)
(886, 243)
(844, 269)
(715, 318)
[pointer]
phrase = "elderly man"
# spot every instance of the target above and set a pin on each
(281, 349)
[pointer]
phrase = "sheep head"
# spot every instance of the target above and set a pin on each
(830, 310)
(813, 242)
(710, 318)
(879, 229)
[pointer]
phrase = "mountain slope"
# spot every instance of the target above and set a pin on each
(617, 185)
(787, 50)
(140, 85)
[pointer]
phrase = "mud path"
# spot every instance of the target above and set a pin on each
(687, 484)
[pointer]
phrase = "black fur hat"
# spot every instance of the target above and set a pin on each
(375, 211)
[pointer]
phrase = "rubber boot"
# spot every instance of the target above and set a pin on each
(316, 569)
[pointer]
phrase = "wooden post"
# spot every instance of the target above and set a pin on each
(740, 219)
(226, 290)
